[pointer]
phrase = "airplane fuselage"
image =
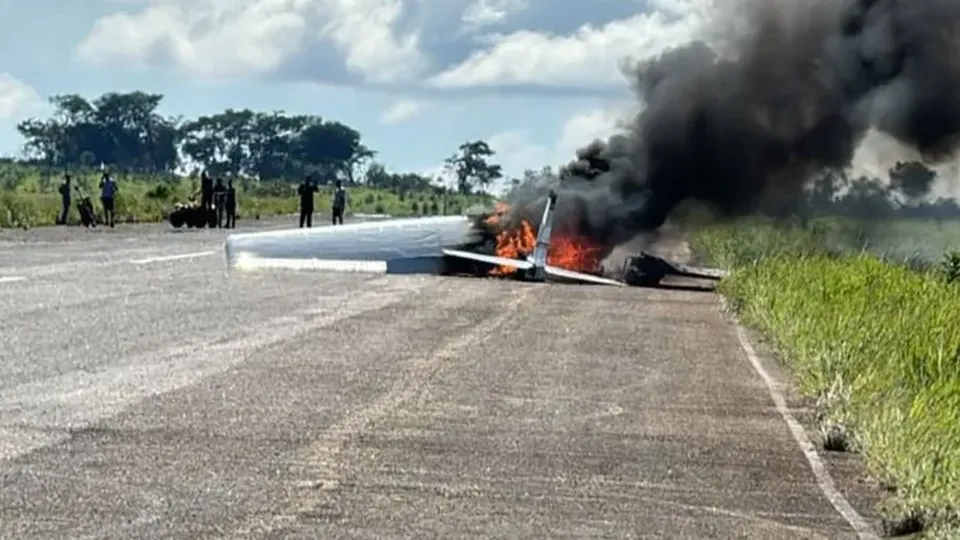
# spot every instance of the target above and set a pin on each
(443, 245)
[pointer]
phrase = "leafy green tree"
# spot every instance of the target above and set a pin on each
(126, 133)
(121, 130)
(472, 167)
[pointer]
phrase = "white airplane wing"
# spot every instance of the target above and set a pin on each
(562, 273)
(552, 271)
(489, 259)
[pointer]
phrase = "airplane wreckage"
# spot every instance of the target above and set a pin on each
(451, 245)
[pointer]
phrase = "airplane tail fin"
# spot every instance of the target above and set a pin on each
(542, 244)
(535, 267)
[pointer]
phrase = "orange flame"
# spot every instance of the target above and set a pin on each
(574, 253)
(514, 244)
(566, 251)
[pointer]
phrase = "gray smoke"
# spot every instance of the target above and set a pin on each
(790, 96)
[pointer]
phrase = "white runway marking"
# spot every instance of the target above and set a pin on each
(173, 257)
(824, 480)
(12, 279)
(254, 263)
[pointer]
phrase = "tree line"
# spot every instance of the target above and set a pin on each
(906, 193)
(126, 132)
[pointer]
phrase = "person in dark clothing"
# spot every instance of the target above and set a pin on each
(65, 193)
(219, 197)
(339, 202)
(108, 190)
(206, 190)
(306, 191)
(231, 205)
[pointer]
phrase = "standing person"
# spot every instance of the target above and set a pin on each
(231, 205)
(219, 196)
(206, 190)
(108, 191)
(306, 190)
(339, 202)
(65, 192)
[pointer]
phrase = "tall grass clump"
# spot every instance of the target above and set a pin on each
(877, 344)
(754, 240)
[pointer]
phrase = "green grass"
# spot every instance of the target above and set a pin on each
(875, 342)
(28, 200)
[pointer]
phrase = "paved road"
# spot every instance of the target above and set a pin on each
(145, 393)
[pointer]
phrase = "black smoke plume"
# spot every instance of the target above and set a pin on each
(743, 126)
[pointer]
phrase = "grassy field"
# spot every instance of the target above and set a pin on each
(874, 341)
(29, 200)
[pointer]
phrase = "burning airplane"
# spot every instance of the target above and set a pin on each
(488, 245)
(761, 101)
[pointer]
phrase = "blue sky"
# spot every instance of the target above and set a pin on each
(536, 78)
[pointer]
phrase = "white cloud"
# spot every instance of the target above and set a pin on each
(481, 13)
(365, 32)
(379, 41)
(516, 151)
(401, 111)
(212, 38)
(240, 37)
(584, 127)
(17, 99)
(589, 57)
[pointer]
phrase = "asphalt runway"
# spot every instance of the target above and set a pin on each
(146, 393)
